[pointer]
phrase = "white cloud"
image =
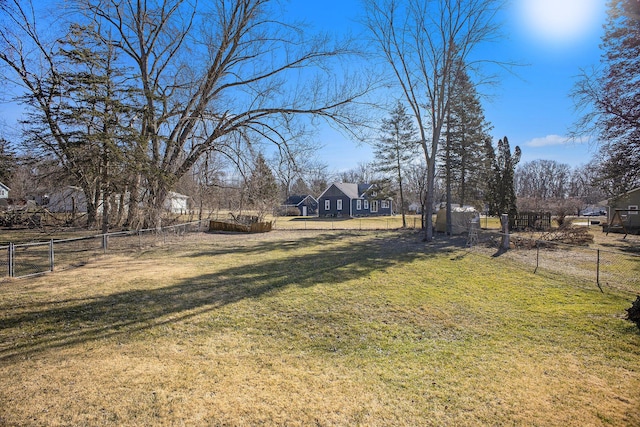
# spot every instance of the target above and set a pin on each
(548, 140)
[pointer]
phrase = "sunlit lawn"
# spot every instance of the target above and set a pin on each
(315, 328)
(362, 223)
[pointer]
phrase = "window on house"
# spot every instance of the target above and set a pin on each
(339, 204)
(384, 204)
(366, 204)
(633, 208)
(374, 206)
(359, 205)
(327, 205)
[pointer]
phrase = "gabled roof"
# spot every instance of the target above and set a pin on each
(297, 199)
(352, 191)
(4, 186)
(174, 195)
(623, 194)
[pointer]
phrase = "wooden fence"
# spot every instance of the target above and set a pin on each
(530, 221)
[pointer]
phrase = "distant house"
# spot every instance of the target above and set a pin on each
(305, 204)
(67, 199)
(623, 211)
(71, 199)
(4, 191)
(352, 200)
(176, 203)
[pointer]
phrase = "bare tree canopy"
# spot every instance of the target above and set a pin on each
(425, 44)
(543, 179)
(215, 76)
(609, 99)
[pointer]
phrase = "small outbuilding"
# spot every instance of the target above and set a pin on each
(303, 205)
(176, 203)
(623, 212)
(461, 217)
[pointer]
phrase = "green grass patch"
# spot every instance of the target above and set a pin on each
(357, 328)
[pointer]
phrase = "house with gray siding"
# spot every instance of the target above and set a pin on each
(342, 199)
(4, 191)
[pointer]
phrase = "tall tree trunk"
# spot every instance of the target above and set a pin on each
(105, 190)
(134, 201)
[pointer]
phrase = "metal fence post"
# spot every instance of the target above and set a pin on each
(11, 260)
(537, 257)
(105, 243)
(51, 256)
(598, 271)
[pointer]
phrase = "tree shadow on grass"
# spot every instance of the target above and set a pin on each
(59, 324)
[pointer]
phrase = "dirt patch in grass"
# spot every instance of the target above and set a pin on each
(314, 328)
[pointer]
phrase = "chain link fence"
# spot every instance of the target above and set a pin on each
(28, 259)
(604, 268)
(607, 269)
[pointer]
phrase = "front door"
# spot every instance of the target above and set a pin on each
(304, 211)
(374, 206)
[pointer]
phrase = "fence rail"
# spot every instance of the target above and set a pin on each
(29, 259)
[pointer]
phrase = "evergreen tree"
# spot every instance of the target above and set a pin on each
(7, 162)
(395, 148)
(501, 195)
(262, 188)
(80, 117)
(466, 138)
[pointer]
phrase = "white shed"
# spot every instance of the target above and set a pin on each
(176, 203)
(461, 217)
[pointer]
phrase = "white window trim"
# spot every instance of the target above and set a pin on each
(366, 204)
(327, 205)
(384, 204)
(339, 204)
(374, 206)
(359, 205)
(633, 208)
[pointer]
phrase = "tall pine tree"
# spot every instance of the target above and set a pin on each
(395, 148)
(262, 188)
(7, 161)
(79, 116)
(501, 195)
(467, 135)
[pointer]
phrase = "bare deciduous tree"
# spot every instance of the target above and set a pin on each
(211, 70)
(425, 43)
(608, 98)
(212, 76)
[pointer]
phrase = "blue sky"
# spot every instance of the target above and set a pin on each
(552, 39)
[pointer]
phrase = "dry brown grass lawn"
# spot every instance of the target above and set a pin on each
(314, 328)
